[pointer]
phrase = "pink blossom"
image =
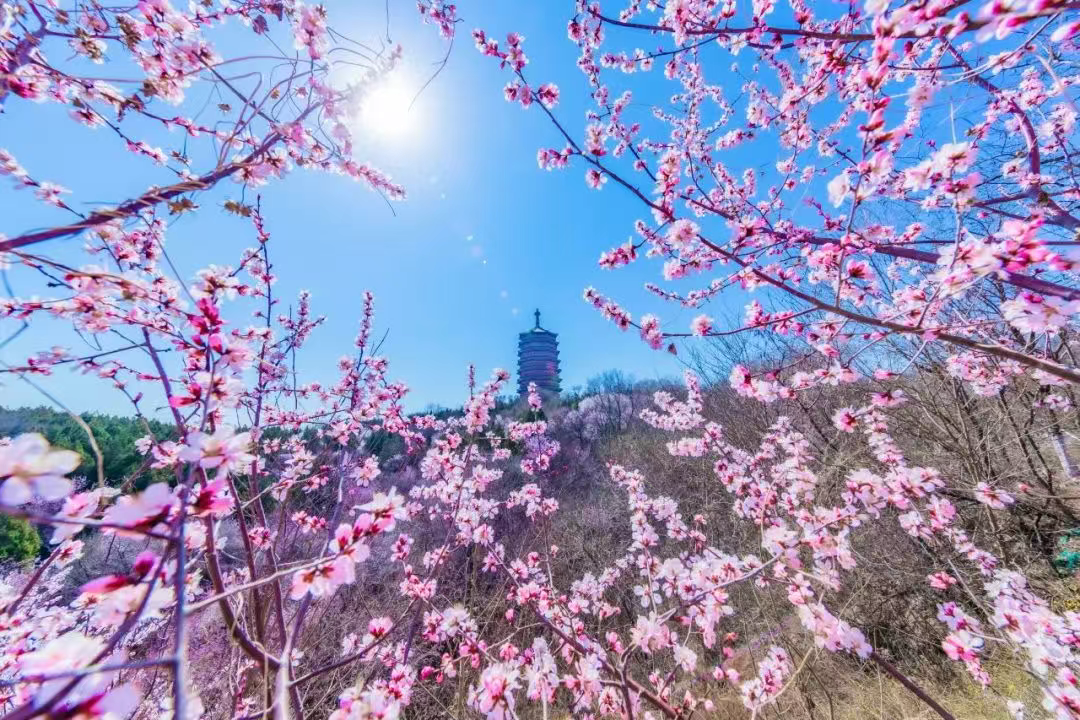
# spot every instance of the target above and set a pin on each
(941, 581)
(145, 511)
(650, 331)
(213, 498)
(225, 450)
(385, 509)
(80, 505)
(534, 399)
(28, 467)
(962, 645)
(1029, 312)
(992, 496)
(773, 672)
(701, 325)
(323, 579)
(845, 420)
(650, 633)
(310, 29)
(494, 695)
(548, 94)
(839, 188)
(70, 651)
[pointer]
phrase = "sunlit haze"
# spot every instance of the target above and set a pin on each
(386, 109)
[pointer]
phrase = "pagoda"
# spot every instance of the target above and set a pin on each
(538, 359)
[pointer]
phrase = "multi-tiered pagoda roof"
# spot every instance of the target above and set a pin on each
(538, 359)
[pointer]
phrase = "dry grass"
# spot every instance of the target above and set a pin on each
(964, 698)
(859, 695)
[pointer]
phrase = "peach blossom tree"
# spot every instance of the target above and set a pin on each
(278, 502)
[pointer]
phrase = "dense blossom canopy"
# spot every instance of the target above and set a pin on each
(919, 196)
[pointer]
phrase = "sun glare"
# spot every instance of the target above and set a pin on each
(385, 111)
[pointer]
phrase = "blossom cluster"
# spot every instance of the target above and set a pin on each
(272, 498)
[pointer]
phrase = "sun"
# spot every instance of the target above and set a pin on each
(385, 110)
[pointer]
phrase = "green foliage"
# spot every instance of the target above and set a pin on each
(115, 437)
(1067, 560)
(19, 540)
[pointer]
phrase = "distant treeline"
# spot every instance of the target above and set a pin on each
(115, 437)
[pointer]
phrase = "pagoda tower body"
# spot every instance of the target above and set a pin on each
(538, 359)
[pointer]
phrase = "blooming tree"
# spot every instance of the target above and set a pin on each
(887, 179)
(879, 216)
(279, 503)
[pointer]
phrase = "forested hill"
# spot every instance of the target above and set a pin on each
(115, 436)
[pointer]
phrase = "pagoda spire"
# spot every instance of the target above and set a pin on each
(537, 314)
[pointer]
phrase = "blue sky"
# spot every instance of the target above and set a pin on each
(484, 238)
